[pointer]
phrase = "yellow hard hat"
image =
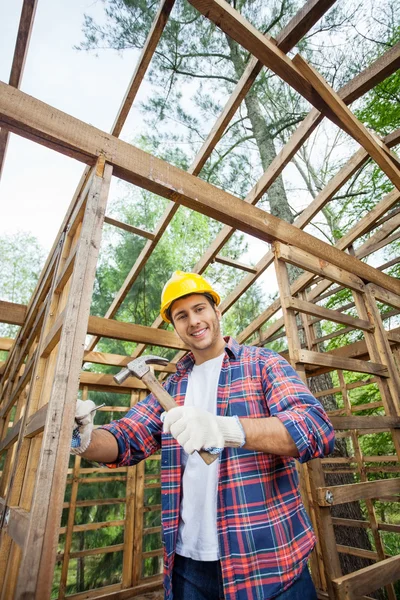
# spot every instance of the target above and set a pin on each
(183, 284)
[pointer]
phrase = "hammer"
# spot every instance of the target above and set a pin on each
(139, 367)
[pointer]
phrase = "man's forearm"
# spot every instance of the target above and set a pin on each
(103, 447)
(268, 435)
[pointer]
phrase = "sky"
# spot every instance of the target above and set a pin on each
(37, 183)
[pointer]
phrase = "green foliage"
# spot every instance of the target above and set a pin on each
(22, 259)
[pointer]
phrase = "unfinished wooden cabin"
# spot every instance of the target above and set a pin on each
(49, 530)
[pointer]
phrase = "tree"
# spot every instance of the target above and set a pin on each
(22, 261)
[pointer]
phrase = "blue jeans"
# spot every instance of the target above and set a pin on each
(202, 580)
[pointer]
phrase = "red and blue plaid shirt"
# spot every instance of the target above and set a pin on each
(264, 532)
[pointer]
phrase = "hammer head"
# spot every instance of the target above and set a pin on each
(138, 367)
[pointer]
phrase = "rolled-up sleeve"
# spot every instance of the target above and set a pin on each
(293, 404)
(138, 433)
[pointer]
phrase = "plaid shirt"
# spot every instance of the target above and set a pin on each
(264, 532)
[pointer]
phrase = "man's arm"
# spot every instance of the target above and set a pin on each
(268, 435)
(103, 447)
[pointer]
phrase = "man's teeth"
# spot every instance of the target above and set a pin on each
(197, 333)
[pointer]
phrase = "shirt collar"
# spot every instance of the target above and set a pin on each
(231, 348)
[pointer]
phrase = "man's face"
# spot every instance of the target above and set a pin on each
(197, 324)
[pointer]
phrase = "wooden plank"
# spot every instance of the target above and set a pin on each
(340, 494)
(236, 26)
(105, 381)
(19, 58)
(11, 436)
(223, 260)
(379, 236)
(385, 296)
(53, 337)
(387, 64)
(66, 272)
(146, 55)
(313, 264)
(75, 138)
(12, 313)
(326, 314)
(368, 422)
(118, 330)
(325, 359)
(36, 422)
(129, 228)
(118, 360)
(368, 579)
(307, 16)
(348, 121)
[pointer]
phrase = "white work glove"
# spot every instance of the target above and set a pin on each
(82, 434)
(194, 429)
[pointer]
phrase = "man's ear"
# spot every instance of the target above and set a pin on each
(218, 313)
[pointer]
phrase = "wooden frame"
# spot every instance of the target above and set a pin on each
(48, 352)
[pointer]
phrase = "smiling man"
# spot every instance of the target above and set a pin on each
(236, 529)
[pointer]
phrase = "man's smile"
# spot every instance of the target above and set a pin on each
(200, 332)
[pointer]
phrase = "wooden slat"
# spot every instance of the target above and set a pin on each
(340, 494)
(349, 121)
(11, 313)
(368, 422)
(17, 68)
(101, 381)
(368, 579)
(130, 228)
(75, 138)
(313, 264)
(223, 260)
(118, 360)
(53, 337)
(153, 37)
(327, 314)
(119, 330)
(35, 423)
(325, 359)
(11, 437)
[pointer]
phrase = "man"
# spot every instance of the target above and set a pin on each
(235, 529)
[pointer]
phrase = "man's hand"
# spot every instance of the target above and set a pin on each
(82, 433)
(194, 429)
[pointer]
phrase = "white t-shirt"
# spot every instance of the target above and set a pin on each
(197, 534)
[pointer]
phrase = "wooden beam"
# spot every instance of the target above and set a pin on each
(325, 359)
(368, 579)
(17, 524)
(146, 55)
(118, 330)
(223, 260)
(326, 314)
(103, 381)
(341, 494)
(17, 68)
(348, 121)
(12, 313)
(233, 24)
(118, 360)
(368, 422)
(50, 127)
(130, 228)
(379, 70)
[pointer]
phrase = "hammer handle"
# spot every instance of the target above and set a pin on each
(167, 402)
